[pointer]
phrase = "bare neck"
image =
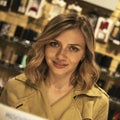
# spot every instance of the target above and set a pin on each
(58, 82)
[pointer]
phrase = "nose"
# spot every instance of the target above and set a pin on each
(61, 53)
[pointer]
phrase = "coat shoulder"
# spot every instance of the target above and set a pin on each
(101, 91)
(16, 83)
(15, 90)
(19, 85)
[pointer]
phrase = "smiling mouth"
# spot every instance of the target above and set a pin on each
(59, 65)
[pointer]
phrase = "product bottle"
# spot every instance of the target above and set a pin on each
(19, 6)
(22, 7)
(5, 4)
(7, 54)
(13, 58)
(103, 29)
(5, 28)
(72, 8)
(0, 54)
(57, 7)
(93, 18)
(115, 34)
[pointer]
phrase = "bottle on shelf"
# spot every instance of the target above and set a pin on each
(93, 18)
(19, 6)
(57, 7)
(5, 5)
(0, 53)
(103, 29)
(116, 74)
(73, 8)
(115, 34)
(4, 29)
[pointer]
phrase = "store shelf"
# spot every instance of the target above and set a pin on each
(104, 48)
(14, 18)
(19, 46)
(9, 69)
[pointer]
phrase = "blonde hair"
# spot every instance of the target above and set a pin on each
(86, 72)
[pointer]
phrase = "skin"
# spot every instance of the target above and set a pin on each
(62, 55)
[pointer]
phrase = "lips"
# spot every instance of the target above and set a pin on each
(59, 65)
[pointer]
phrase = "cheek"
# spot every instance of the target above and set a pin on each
(75, 60)
(49, 53)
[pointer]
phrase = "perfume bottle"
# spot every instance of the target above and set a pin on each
(72, 8)
(5, 5)
(7, 54)
(22, 7)
(116, 74)
(1, 83)
(57, 7)
(21, 61)
(4, 28)
(13, 59)
(93, 18)
(0, 54)
(19, 6)
(115, 34)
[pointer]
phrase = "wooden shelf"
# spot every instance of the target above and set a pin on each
(14, 18)
(19, 47)
(103, 49)
(7, 70)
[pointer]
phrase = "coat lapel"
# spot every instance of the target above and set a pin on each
(85, 102)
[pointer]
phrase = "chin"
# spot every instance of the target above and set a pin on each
(59, 73)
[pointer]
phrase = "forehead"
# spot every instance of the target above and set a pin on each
(71, 36)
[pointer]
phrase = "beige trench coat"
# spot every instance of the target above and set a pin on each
(21, 94)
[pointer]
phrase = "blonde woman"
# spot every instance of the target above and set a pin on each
(59, 81)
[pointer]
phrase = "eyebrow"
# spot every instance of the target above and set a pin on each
(69, 44)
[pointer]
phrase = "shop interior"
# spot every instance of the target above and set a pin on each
(21, 22)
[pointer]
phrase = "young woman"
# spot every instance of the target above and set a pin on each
(59, 82)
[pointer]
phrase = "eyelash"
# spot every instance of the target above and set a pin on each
(54, 44)
(74, 49)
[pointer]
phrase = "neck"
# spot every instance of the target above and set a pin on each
(58, 83)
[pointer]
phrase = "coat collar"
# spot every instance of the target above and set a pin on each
(95, 91)
(24, 79)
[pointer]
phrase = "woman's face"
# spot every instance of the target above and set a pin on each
(64, 52)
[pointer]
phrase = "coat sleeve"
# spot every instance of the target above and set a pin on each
(11, 93)
(3, 97)
(7, 95)
(15, 91)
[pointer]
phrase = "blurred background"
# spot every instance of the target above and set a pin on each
(21, 22)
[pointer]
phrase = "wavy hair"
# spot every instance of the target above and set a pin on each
(86, 73)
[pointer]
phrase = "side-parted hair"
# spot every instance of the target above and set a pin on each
(86, 73)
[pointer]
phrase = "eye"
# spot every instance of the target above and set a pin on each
(54, 44)
(74, 49)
